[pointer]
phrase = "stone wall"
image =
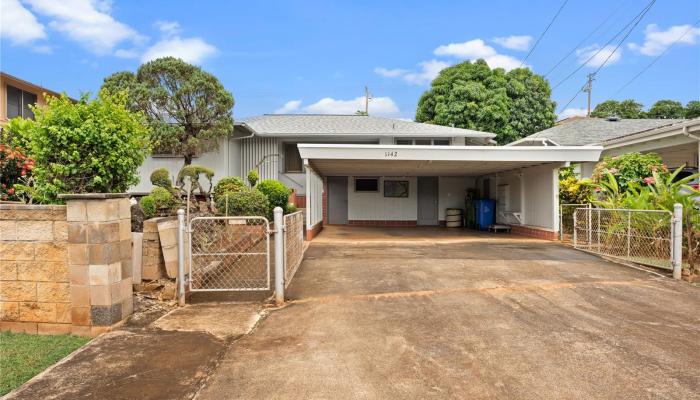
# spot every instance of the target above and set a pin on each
(35, 292)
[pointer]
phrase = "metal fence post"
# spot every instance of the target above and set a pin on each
(181, 257)
(279, 255)
(575, 226)
(590, 228)
(629, 233)
(677, 242)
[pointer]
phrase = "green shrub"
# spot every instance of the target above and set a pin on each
(253, 177)
(89, 146)
(291, 208)
(629, 168)
(575, 191)
(160, 202)
(148, 206)
(228, 184)
(161, 178)
(277, 194)
(245, 202)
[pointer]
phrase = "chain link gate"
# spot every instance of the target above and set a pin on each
(293, 244)
(229, 254)
(640, 236)
(566, 220)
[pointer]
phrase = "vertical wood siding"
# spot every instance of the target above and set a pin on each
(260, 153)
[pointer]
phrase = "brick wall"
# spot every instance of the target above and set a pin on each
(34, 277)
(533, 232)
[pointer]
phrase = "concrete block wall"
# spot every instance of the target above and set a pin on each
(99, 259)
(35, 294)
(153, 263)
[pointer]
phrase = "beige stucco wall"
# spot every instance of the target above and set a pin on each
(26, 86)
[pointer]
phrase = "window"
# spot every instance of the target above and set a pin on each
(18, 102)
(366, 184)
(395, 188)
(423, 142)
(292, 159)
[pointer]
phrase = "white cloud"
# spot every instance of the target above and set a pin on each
(192, 50)
(86, 22)
(475, 49)
(429, 70)
(380, 106)
(18, 24)
(572, 112)
(514, 42)
(597, 60)
(289, 107)
(470, 49)
(657, 41)
(389, 73)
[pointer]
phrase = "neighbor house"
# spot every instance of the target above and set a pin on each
(16, 95)
(675, 140)
(365, 170)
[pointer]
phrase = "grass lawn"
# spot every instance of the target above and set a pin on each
(22, 356)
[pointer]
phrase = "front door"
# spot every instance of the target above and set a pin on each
(427, 200)
(338, 200)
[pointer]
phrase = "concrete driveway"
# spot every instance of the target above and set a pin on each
(393, 315)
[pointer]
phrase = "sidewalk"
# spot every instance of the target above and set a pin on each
(169, 359)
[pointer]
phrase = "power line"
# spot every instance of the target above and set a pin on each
(637, 18)
(543, 33)
(655, 59)
(578, 45)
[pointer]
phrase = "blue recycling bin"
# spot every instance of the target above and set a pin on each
(485, 213)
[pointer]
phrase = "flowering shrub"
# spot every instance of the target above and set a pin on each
(14, 166)
(630, 168)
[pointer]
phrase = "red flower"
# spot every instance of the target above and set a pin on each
(649, 180)
(11, 191)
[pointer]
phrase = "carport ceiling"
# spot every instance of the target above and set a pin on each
(392, 160)
(414, 168)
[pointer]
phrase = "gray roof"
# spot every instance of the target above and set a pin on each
(588, 131)
(351, 125)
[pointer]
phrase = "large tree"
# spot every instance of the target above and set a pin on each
(666, 109)
(692, 109)
(188, 109)
(471, 95)
(623, 109)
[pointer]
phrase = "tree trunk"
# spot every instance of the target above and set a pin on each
(188, 159)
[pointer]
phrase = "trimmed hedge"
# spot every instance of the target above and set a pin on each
(229, 184)
(246, 202)
(277, 193)
(159, 201)
(161, 178)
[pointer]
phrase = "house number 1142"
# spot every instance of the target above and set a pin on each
(391, 154)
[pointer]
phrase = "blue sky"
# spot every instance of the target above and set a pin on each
(317, 56)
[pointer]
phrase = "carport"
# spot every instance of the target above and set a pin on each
(395, 185)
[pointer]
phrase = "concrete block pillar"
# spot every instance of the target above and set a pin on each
(99, 260)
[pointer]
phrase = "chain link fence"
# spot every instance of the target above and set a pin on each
(229, 253)
(640, 236)
(293, 244)
(566, 221)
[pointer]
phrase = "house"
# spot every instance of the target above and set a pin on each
(17, 94)
(366, 170)
(673, 139)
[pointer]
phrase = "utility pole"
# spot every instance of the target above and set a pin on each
(588, 87)
(367, 97)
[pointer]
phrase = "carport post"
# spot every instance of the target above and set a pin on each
(181, 257)
(677, 242)
(279, 255)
